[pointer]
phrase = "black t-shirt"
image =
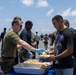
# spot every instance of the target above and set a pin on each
(26, 36)
(63, 38)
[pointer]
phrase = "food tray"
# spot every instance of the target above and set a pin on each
(29, 69)
(35, 61)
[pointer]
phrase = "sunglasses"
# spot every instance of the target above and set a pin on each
(19, 25)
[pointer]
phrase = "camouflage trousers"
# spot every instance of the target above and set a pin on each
(7, 66)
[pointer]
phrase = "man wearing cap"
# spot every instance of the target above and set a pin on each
(17, 17)
(16, 59)
(11, 43)
(28, 36)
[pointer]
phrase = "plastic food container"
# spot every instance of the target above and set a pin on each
(29, 69)
(44, 58)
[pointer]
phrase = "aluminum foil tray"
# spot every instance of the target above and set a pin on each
(29, 69)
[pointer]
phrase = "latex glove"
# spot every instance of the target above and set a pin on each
(30, 55)
(39, 51)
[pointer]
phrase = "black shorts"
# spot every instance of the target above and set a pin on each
(45, 42)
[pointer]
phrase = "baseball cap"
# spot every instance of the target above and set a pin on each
(17, 17)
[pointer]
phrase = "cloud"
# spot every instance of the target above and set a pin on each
(45, 30)
(42, 3)
(50, 12)
(13, 1)
(1, 8)
(2, 25)
(68, 12)
(75, 20)
(27, 2)
(9, 20)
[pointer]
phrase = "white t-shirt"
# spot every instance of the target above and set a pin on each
(37, 38)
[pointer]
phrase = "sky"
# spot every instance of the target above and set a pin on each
(40, 12)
